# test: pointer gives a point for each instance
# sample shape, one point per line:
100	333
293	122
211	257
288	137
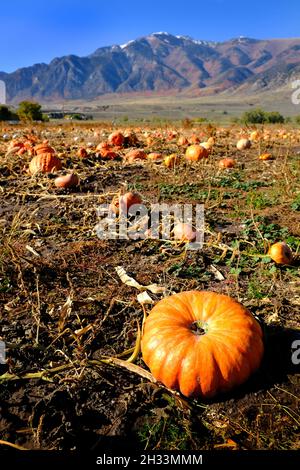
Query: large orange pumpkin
194	153
201	343
44	163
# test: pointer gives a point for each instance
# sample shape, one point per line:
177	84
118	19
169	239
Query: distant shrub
6	114
297	119
30	111
256	116
259	116
274	118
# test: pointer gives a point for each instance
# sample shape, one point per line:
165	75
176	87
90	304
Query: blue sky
35	31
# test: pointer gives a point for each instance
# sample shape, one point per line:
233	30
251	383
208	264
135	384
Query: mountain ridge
160	62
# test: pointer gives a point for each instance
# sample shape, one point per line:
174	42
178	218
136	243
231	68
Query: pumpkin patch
125	315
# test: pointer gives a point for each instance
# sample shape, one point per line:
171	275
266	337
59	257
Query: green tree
255	116
30	111
259	116
274	118
6	114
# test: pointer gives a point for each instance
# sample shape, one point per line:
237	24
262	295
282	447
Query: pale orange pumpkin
201	343
66	181
281	253
44	163
121	204
184	232
182	141
134	155
227	163
243	144
194	153
103	146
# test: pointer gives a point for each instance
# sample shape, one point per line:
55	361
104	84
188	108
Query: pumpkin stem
198	328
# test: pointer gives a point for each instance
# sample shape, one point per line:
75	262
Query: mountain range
161	63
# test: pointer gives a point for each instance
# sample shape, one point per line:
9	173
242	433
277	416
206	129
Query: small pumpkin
82	153
116	138
44	163
201	343
184	232
171	160
134	155
66	181
182	141
266	156
227	163
194	153
121	204
103	146
108	154
154	156
281	253
243	144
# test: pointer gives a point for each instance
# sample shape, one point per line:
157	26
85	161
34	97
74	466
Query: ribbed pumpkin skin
44	163
201	365
43	148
